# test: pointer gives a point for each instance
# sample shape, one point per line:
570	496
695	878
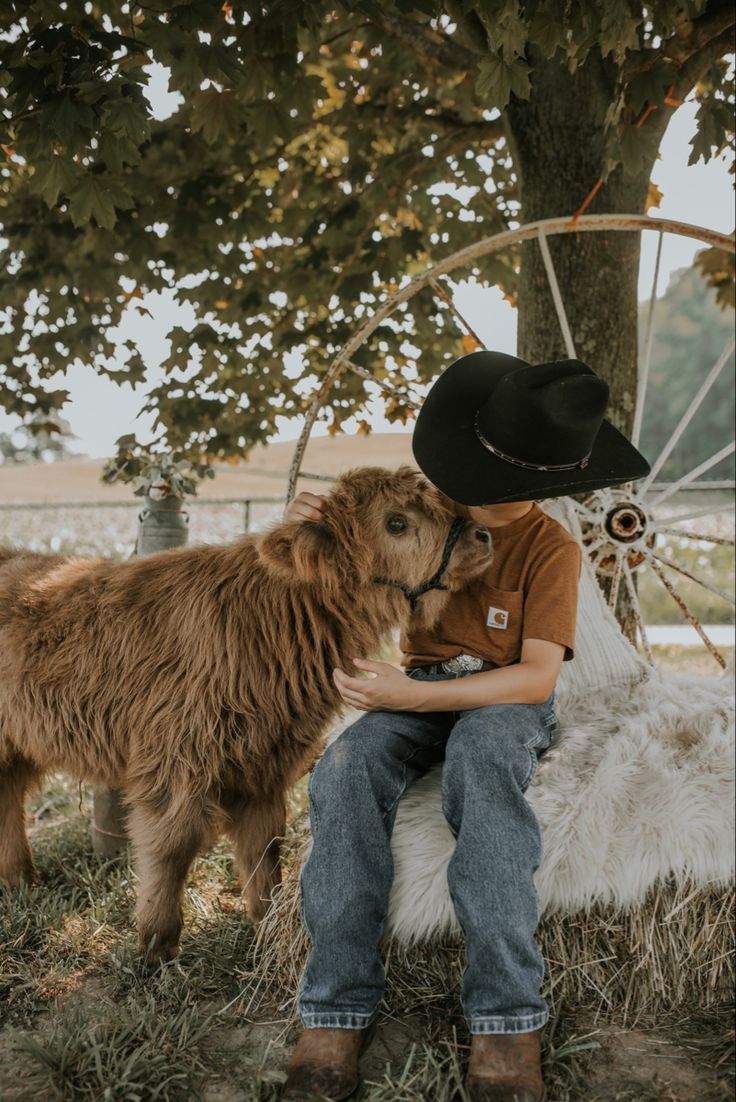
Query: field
82	1020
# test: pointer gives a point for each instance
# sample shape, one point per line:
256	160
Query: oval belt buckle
462	663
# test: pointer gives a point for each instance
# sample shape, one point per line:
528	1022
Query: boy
477	694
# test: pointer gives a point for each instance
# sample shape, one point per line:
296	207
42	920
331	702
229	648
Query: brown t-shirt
529	591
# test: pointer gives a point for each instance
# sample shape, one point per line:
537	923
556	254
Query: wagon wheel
621	525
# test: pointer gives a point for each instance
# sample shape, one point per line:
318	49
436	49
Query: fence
109	527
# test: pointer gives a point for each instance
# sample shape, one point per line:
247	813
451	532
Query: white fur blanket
637	784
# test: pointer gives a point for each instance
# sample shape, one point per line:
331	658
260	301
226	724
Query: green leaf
71	122
638	149
651	85
547	32
116	151
52	176
510	33
186	72
26	84
714	122
619	30
266	122
129	118
216	114
498	78
91	198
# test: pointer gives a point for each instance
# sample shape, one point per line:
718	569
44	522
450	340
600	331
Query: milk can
161	525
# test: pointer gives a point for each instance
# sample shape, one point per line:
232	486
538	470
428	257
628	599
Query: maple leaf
654	197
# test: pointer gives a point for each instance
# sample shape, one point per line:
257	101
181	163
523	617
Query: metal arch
539	230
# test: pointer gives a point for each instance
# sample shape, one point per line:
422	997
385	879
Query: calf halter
413	594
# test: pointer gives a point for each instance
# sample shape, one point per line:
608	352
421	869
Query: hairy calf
199	681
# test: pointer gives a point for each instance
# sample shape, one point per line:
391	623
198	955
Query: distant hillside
690	332
264	475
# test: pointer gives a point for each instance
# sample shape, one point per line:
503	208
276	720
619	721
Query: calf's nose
483	535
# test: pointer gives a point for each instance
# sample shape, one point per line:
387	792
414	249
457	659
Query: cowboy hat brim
449	452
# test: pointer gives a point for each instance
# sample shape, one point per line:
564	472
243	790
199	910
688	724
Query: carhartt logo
497	618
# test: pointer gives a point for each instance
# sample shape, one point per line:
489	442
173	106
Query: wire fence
109	527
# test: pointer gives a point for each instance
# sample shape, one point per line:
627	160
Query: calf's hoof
324	1065
156	952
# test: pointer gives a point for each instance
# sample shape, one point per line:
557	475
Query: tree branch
697	65
491	129
689	75
689	40
437	47
470	30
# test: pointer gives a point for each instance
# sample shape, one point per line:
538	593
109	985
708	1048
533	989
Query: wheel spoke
615	581
709	484
681	570
725	451
644	374
556	296
683	608
440	290
692	535
636	608
706	511
688	415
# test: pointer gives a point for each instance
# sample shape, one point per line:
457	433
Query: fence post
161	525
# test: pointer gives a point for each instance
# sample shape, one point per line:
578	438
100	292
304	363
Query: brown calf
199	681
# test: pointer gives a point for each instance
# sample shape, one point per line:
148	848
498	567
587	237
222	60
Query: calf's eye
396	524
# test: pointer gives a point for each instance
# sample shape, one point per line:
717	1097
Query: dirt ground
584	1060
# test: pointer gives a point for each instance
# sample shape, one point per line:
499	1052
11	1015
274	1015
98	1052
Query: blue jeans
490	756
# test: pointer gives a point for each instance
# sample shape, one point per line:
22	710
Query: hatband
581	463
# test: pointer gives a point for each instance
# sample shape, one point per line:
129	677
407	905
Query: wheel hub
614	525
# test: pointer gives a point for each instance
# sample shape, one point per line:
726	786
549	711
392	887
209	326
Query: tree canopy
302	177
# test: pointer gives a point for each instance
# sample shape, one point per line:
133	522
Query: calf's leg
256	829
16	862
163	851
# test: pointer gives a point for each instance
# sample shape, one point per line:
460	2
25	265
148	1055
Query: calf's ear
314	550
302	549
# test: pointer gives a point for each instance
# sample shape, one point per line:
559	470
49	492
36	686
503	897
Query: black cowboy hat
495	428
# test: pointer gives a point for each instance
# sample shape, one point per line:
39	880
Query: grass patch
120	1053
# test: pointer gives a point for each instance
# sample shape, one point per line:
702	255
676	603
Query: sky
99	411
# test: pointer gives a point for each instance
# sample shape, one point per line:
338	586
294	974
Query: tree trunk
162	525
558	146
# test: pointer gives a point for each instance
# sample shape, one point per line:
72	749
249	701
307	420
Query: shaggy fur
199	682
623	802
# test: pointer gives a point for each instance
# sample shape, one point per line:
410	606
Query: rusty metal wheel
623	526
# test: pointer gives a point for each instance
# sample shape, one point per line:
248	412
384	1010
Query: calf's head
382	531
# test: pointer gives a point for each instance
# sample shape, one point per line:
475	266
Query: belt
462	663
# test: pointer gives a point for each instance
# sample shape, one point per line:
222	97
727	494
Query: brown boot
324	1065
506	1067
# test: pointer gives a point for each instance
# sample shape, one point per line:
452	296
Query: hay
673	951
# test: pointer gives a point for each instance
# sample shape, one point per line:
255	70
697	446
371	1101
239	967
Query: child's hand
305	506
389	691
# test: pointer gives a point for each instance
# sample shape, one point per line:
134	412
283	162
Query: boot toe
479	1091
317	1084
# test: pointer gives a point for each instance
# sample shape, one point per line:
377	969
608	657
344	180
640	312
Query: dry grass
84	1021
673	951
639	999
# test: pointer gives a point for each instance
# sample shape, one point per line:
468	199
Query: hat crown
545	414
